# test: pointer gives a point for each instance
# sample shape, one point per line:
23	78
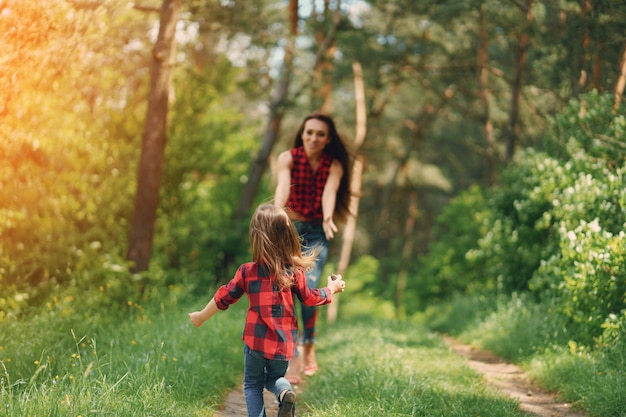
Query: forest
487	140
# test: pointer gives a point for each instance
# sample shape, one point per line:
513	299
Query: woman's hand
329	228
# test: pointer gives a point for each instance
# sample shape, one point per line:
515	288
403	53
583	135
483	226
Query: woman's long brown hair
338	150
275	243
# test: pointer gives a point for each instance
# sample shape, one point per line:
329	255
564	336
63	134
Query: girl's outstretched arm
199	317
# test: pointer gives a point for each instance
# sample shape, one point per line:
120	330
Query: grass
518	328
157	364
152	362
388	368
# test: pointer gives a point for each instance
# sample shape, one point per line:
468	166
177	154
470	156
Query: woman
313	185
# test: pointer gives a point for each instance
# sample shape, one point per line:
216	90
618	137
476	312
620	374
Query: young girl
271	280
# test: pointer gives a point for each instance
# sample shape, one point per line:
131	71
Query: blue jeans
259	373
313	236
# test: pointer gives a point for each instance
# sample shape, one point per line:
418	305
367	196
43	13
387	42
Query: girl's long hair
337	149
275	243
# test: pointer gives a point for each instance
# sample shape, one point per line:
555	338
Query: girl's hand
336	283
196	318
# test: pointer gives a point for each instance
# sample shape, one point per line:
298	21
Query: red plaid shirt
271	324
305	195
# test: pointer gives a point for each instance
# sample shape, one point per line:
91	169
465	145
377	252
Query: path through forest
506	377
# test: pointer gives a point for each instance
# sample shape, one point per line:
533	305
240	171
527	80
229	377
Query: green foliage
586	281
518	233
555	226
67	161
591	125
592	380
446	268
458	312
363	290
207	159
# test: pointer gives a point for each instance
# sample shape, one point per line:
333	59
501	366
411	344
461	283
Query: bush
446	269
555	226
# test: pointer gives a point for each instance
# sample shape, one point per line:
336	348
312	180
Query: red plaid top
271	325
305	195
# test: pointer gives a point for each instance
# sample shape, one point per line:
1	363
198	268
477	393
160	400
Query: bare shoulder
336	168
285	159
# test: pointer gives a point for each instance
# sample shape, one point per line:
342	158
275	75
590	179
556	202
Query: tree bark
518	82
621	82
424	120
322	73
275	118
483	80
154	140
585	12
407	250
355	188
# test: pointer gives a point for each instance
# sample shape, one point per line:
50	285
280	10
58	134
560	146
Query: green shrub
446	269
590	122
555	226
586	281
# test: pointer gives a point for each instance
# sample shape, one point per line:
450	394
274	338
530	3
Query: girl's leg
278	384
275	377
253	382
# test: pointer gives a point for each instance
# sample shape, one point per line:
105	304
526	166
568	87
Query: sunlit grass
161	366
524	331
385	368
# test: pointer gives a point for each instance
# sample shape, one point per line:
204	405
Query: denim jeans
313	236
259	373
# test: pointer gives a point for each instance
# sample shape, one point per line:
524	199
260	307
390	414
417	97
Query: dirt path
513	381
235	404
508	378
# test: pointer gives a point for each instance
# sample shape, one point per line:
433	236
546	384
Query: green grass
154	363
519	328
386	368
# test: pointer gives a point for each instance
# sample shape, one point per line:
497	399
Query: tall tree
521	56
154	140
618	91
275	117
483	82
355	187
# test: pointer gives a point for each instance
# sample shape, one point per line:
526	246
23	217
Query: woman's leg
253	382
310	314
295	368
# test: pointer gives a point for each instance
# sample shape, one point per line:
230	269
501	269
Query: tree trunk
407	250
424	120
483	80
621	82
585	11
518	82
322	72
153	143
277	111
357	174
